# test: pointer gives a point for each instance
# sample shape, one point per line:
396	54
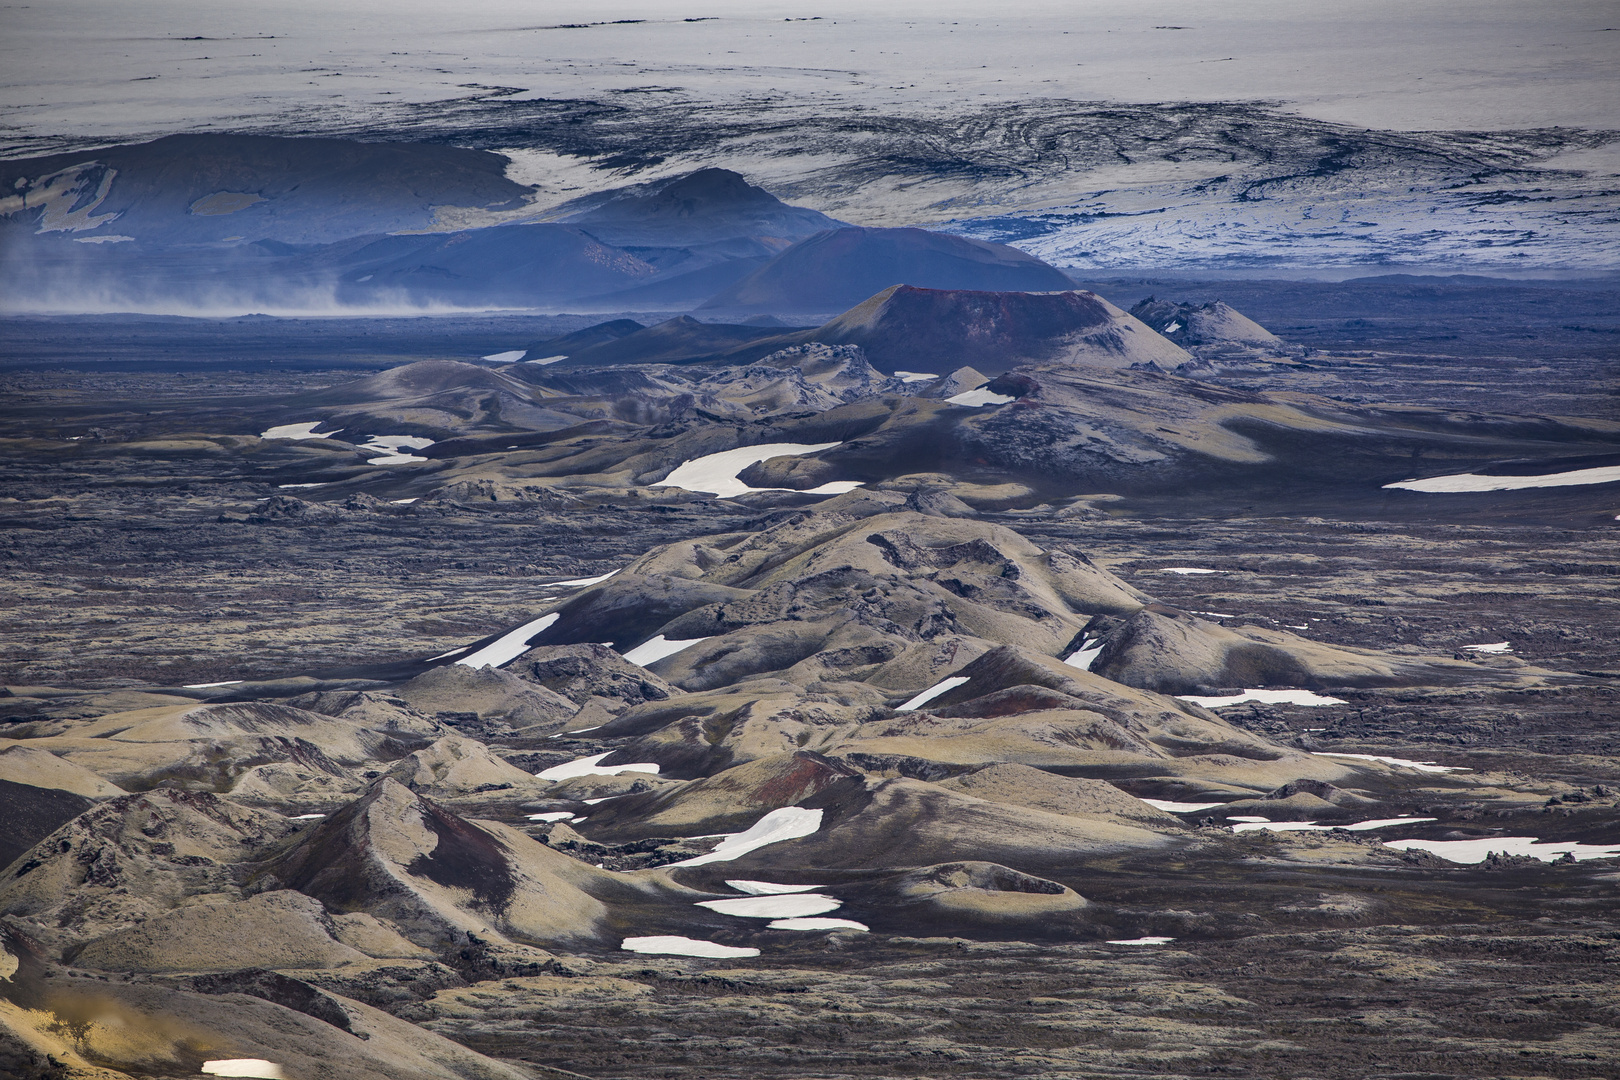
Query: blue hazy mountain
257	223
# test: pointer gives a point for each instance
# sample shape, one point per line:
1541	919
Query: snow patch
1476	851
818	924
510	357
509	646
787	906
298	431
1265	697
1495	648
716	474
684	946
255	1067
939	688
1188	570
1469	482
1084	656
209	685
587	766
657	648
1182	807
394	447
914	376
1306	826
1142	941
553	815
786	823
766	888
1420	766
977	399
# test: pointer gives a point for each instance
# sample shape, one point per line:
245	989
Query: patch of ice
1188	570
789	906
1084	656
1475	851
307	817
549	359
1494	648
401	502
657	648
939	688
394	447
587	766
208	685
716	474
509	646
580	583
914	376
510	357
977	399
767	888
1307	826
786	823
1182	807
1172	328
818	924
284	487
298	431
1142	941
1265	697
553	815
254	1067
1420	766
684	946
1471	482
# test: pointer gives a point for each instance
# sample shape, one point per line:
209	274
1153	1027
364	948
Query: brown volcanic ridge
929	723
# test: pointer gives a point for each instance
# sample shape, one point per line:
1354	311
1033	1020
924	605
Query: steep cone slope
836	270
435	875
701	207
1203	324
938	330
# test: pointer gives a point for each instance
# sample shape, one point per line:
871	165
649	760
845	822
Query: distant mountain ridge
259	223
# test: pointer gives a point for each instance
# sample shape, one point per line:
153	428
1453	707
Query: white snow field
1406	763
785	906
786	823
977	399
914	376
1084	657
939	688
1476	851
509	646
1184	570
552	815
1142	941
588	766
1495	648
253	1067
1265	697
1468	482
210	685
767	888
393	449
716	474
1181	807
298	431
579	583
818	924
654	649
1306	826
671	945
511	356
